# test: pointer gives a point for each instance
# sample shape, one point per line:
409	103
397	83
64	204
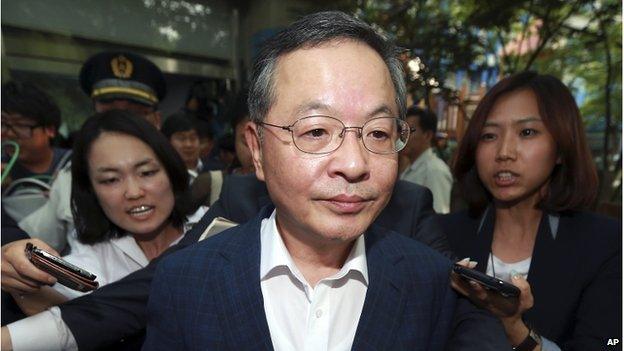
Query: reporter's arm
39	301
43	331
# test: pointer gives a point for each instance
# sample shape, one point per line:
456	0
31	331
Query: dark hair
92	224
427	120
238	110
202	92
312	31
30	102
573	183
178	122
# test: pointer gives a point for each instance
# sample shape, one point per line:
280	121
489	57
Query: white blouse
114	259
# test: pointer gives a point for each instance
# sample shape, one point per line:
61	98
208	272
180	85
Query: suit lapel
553	271
243	302
385	300
481	244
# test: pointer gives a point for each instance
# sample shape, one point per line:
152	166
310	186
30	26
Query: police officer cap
122	75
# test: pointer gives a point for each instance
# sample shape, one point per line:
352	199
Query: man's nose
350	160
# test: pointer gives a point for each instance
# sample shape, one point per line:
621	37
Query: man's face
333	198
419	140
187	145
147	112
32	138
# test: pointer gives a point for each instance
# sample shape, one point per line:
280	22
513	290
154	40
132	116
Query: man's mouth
347	204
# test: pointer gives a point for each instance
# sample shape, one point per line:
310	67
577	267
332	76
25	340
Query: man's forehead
315	78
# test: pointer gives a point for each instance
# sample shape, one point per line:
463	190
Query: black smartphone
488	282
57	261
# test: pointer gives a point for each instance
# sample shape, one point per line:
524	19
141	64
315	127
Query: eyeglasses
324	134
21	130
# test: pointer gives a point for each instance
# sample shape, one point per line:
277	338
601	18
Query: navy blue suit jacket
208	296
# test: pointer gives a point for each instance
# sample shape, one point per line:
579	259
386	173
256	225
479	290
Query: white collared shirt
120	257
302	317
431	172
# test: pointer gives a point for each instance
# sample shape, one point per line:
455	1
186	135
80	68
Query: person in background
113	80
239	119
183	134
442	147
419	163
527	173
31	119
200	104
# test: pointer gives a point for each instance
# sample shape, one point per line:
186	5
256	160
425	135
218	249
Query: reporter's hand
19	275
508	309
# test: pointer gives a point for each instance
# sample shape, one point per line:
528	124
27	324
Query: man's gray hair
312	31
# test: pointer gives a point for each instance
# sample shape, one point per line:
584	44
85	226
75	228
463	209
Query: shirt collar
274	255
129	246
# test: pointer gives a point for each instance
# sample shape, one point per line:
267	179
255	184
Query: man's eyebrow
317	105
310	106
381	109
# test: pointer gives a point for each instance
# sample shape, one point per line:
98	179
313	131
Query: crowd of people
343	233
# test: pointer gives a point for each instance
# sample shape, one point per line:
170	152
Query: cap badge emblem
122	67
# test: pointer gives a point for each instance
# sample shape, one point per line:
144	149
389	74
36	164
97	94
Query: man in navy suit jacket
328	100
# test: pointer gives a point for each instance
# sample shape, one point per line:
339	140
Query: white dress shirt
431	172
46	331
302	317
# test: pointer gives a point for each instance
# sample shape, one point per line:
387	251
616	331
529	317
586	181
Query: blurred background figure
238	115
201	105
442	148
419	163
30	118
183	134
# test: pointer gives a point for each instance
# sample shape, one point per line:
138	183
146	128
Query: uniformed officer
113	80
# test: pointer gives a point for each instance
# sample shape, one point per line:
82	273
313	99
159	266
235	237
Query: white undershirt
301	317
503	269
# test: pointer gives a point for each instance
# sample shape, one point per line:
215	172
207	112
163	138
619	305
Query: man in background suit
327	100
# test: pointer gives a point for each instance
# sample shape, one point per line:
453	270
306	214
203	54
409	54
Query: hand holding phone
505	289
66	273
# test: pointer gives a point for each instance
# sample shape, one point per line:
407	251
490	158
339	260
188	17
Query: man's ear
255	146
157	119
50	132
429	136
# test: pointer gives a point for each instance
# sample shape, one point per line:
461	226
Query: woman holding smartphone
129	202
526	172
